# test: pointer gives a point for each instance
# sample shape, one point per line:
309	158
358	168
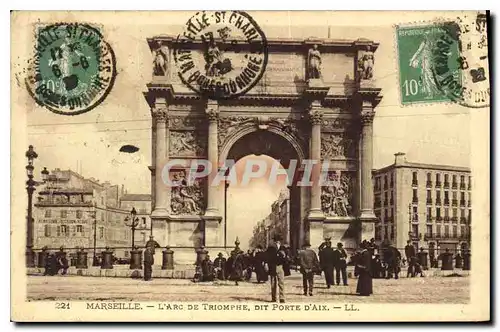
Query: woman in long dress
365	282
314	63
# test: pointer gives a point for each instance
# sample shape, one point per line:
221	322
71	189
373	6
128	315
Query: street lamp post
94	216
226	185
134	221
30	188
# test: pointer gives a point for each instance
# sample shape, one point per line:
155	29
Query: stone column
366	116
212	216
315	116
212	111
161	154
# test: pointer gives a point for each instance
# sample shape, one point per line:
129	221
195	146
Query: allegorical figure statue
314	63
160	62
366	64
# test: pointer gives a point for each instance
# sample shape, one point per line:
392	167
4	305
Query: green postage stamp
429	63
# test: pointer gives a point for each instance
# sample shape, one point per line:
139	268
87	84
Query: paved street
416	290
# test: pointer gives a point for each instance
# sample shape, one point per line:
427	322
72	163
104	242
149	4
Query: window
446	181
438	179
438	213
64	230
446	213
386	202
393	232
429	231
143	221
462	182
79	229
446	198
415	214
386	182
462	216
415	196
454	231
455	214
470	216
101	232
438	231
463	230
392	180
429	196
78	214
414	178
470	183
392	213
446	231
64	214
429	177
414	229
48	213
429	214
386	232
438	196
454	181
46	230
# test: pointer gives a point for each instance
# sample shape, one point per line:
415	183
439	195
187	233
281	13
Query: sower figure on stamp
327	261
149	260
309	264
340	264
365	282
275	259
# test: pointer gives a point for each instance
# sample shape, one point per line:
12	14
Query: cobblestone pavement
404	290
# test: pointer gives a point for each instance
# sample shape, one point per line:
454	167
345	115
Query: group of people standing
55	262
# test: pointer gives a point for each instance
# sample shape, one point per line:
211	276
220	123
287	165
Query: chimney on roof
399	158
123	189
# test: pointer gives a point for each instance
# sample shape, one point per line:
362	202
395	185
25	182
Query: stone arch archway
288	212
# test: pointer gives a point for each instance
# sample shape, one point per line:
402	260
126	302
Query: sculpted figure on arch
314	63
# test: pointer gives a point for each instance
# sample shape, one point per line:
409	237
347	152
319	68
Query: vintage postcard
250	166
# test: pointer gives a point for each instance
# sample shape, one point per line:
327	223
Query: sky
437	133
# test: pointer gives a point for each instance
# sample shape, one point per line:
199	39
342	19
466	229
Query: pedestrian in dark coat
207	272
259	262
220	267
275	259
51	265
327	261
340	264
309	264
365	282
62	261
411	257
237	261
149	260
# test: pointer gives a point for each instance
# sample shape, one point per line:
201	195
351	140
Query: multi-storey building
73	211
427	204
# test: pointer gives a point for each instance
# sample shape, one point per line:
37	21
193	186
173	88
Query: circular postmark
222	54
459	62
73	69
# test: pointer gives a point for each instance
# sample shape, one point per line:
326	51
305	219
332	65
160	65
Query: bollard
81	259
466	266
447	261
422	260
135	259
107	259
168	259
42	257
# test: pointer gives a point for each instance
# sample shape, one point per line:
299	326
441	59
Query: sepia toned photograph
268	166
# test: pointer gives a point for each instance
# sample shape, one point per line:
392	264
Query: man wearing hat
259	262
309	264
275	259
325	243
340	264
219	267
328	262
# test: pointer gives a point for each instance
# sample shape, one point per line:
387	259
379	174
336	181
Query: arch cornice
252	127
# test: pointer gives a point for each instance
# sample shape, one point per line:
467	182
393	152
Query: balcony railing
469	202
446	185
438	201
391	202
469	186
428	236
454	202
386	203
462	186
429	201
439	218
414	200
428	184
462	202
446	202
446	218
414	182
438	184
454	185
463	220
454	219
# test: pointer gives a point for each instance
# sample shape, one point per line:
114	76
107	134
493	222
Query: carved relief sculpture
186	200
314	63
365	64
229	125
336	199
160	62
187	143
336	145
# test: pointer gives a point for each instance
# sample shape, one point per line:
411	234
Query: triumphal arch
315	100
